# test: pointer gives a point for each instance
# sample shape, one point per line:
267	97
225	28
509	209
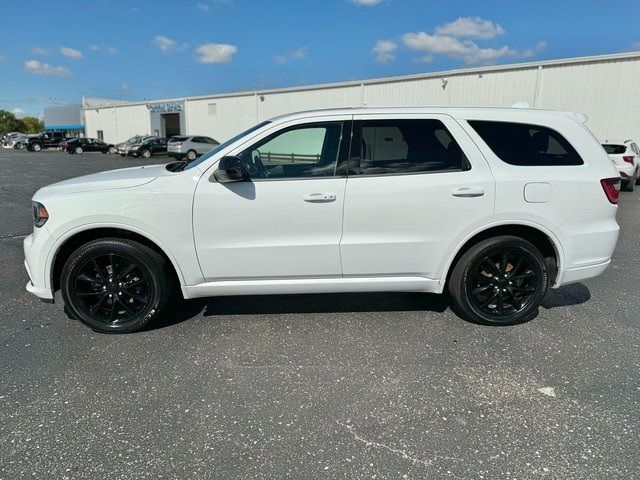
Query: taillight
628	160
611	187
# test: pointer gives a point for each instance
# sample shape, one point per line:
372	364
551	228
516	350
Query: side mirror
230	169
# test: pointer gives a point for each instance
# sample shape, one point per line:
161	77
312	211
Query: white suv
626	157
493	205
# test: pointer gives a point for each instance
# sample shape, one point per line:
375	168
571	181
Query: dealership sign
164	107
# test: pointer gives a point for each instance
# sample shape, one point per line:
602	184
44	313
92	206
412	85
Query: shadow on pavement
294	304
573	294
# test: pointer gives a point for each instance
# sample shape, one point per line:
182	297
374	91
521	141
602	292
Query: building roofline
398	78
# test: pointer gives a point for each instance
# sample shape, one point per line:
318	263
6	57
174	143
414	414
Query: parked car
80	145
123	147
492	205
11	139
190	147
37	142
625	155
148	147
20	141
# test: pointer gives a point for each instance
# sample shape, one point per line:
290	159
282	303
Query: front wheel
112	150
115	285
145	154
499	281
36	147
78	150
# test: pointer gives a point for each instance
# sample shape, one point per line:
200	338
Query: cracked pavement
316	386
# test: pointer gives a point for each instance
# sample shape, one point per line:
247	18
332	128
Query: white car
625	155
493	205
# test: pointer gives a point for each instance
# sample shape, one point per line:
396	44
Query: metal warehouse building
606	88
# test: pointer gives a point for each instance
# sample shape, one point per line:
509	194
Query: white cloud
471	27
2	58
384	50
38	51
34	66
538	47
216	52
205	7
112	50
126	88
94	48
19	113
71	52
465	50
164	43
366	3
298	53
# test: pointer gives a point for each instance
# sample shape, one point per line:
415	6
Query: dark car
79	145
44	140
150	146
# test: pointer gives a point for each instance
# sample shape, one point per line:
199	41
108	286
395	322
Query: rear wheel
115	285
499	281
191	155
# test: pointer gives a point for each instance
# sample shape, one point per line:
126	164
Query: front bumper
36	247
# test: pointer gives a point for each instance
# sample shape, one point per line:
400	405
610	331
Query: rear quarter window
526	144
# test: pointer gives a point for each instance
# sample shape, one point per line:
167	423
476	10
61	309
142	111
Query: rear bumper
573	275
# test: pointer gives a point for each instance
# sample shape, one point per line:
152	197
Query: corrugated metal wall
607	89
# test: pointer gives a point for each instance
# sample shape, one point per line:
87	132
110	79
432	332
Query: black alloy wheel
503	283
115	285
499	281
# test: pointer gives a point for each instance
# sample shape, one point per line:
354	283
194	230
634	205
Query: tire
112	150
191	155
519	282
78	150
145	154
36	147
115	285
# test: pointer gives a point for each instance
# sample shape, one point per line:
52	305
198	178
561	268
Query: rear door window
525	144
399	146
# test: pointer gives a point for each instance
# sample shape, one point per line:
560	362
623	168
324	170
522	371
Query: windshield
224	145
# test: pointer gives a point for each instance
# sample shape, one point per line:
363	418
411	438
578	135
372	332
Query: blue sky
141	49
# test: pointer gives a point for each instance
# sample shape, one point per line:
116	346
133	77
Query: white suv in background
626	157
492	205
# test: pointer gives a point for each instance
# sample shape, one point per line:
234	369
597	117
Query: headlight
40	214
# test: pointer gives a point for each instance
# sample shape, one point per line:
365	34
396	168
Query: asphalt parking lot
324	386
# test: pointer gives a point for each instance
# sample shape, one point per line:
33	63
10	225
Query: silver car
190	147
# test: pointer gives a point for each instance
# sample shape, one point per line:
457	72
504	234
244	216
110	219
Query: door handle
319	197
467	192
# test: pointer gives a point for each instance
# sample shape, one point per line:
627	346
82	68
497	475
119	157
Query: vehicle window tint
298	152
614	149
405	146
526	145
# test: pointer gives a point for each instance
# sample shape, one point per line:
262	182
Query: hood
113	179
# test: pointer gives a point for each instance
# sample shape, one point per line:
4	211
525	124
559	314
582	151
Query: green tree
9	123
31	125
